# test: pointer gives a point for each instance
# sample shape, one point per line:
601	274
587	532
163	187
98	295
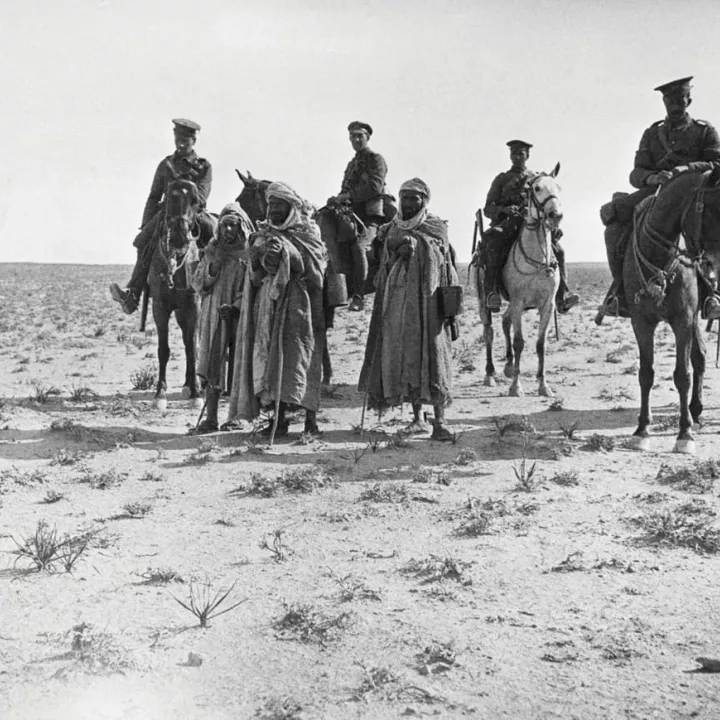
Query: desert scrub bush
307	623
82	394
160	576
40	392
566	478
384	493
524	474
103	479
505	426
280	708
151	476
380	679
259	485
305	479
434	476
436	569
135	510
690	524
464	357
699	477
437	657
95	652
572	563
46	548
352	588
467	456
204	602
143	378
52	496
568	430
20	477
599	443
66	457
277	547
477	523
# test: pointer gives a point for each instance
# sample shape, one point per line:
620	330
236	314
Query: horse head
181	209
252	198
544	204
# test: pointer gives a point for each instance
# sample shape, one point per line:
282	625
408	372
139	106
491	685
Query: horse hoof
516	391
186	392
489	381
686	447
640	443
509	370
196	403
161	404
545	391
696	426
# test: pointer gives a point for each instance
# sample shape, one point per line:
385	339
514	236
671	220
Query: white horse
531	279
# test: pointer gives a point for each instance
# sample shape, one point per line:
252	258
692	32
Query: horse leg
683	350
506	323
645	337
518	343
186	316
697	358
545	314
161	316
489	337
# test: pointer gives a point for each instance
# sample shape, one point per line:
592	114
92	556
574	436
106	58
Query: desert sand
535	568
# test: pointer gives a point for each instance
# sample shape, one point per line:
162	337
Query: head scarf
300	209
234	209
419	186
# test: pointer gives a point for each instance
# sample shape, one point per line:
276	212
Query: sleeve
202	279
372	180
157	190
711	145
239	285
204	183
345	185
644	165
492	202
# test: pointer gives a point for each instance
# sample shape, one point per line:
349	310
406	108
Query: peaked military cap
681	84
518	143
357	126
185	127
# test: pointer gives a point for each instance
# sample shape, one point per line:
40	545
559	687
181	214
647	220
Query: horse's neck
533	239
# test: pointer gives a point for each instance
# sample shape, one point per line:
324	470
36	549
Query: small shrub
385	493
160	576
698	478
354	588
280	708
82	394
467	456
431	475
308	624
280	551
572	563
435	569
52	496
41	393
136	510
144	378
598	443
569	431
259	486
305	479
567	478
204	604
102	480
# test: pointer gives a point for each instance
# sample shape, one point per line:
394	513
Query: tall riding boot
564	299
359	275
616	235
493	301
707	293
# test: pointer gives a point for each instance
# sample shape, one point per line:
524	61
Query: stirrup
711	309
493	301
357	304
567	303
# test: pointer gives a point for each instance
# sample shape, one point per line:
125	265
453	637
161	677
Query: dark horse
253	201
661	283
173	261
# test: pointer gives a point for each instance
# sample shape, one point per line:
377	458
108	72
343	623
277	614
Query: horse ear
555	171
243	179
714	177
250	177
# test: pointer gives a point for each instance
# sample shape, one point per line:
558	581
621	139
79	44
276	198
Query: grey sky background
89	88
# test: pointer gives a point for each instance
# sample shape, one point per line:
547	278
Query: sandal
442	433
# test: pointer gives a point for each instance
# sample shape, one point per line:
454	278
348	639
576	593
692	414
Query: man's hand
658	178
406	249
679	170
226	311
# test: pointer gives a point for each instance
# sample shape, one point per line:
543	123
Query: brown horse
172	264
661	284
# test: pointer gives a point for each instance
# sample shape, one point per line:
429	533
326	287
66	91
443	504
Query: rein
169	260
537	225
655	286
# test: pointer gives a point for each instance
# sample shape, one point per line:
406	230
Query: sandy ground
377	577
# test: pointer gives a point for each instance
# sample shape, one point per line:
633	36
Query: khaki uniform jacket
191	167
508	189
364	181
663	148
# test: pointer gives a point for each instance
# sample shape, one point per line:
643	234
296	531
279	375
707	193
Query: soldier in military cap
679	143
363	188
184	163
504	207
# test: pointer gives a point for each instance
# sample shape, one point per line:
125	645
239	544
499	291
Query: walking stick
281	362
557	329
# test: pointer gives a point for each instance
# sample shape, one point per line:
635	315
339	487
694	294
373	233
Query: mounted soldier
504	207
677	144
362	194
183	164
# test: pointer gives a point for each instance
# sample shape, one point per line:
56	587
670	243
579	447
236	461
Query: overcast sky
89	88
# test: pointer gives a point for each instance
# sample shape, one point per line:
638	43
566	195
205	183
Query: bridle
168	253
539	224
655	286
